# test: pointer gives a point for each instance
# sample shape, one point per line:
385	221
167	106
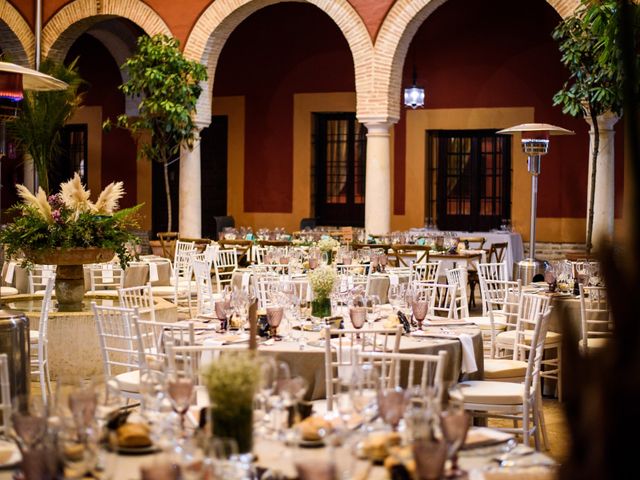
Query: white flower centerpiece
327	245
322	280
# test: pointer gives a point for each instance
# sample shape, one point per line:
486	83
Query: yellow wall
419	121
304	105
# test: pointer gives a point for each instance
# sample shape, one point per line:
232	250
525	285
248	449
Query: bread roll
133	435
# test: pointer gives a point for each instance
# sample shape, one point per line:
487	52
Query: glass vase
321	307
237	424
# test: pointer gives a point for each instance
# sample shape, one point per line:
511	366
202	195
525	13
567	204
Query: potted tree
591	52
169	87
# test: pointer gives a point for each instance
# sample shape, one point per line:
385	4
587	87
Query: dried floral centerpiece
232	381
322	280
69	230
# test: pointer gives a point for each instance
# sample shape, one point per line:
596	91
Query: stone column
190	201
604	200
377	207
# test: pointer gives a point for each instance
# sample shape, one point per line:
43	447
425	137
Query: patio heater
535	144
14	325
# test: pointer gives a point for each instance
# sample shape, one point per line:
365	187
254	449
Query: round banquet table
307	360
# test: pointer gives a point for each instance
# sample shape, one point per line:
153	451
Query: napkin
520	473
468	355
246	277
11	268
153	272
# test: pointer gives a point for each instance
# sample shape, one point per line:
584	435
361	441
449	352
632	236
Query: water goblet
358	315
363	392
455	424
383	259
372	303
180	390
374	261
419	307
550	278
29	420
274	317
391	405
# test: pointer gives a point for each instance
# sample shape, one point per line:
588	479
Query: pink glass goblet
455	424
274	317
419	309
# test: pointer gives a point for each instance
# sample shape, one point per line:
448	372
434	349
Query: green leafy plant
38	127
70	220
169	87
588	42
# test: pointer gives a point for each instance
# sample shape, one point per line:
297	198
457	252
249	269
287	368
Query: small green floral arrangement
70	219
327	244
322	281
232	380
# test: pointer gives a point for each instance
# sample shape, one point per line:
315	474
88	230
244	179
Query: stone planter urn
69	282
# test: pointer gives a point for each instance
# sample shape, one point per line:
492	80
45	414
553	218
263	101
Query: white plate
15	456
485	437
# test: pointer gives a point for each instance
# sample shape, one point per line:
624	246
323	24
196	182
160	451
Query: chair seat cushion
597	343
484	323
6	291
492	393
129	381
509	337
495	368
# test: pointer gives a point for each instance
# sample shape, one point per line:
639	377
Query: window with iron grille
468	179
339	157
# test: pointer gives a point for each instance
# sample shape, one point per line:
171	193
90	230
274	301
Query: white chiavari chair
120	343
266	283
595	317
517	401
105	278
140	298
225	263
258	253
204	287
490	271
458	277
38	276
354	276
342	348
422	371
503	300
428	272
442	301
39	343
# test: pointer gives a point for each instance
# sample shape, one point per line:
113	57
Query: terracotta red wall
488	54
100	71
279	51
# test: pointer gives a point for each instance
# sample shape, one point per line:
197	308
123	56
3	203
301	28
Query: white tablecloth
515	249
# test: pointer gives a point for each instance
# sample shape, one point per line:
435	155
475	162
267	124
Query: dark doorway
73	156
213	168
339	146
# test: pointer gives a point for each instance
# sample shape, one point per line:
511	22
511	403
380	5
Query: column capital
377	122
606	121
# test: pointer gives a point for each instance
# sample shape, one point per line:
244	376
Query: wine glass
419	306
550	277
391	405
180	390
363	392
83	403
274	317
267	385
455	423
396	296
240	303
373	309
29	420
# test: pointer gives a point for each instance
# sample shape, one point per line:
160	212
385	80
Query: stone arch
393	40
216	23
17	38
73	19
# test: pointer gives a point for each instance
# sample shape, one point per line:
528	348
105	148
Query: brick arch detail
17	38
220	19
392	42
71	21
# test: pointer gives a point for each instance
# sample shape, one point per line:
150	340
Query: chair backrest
407	255
490	271
473	243
530	311
155	335
5	396
503	297
422	371
168	243
140	298
119	339
595	315
189	359
265	283
354	277
258	254
106	276
225	263
184	249
342	348
539	312
458	277
242	247
204	287
211	251
38	276
427	272
442	301
182	268
497	252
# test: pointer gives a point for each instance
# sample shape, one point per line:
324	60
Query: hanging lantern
414	95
